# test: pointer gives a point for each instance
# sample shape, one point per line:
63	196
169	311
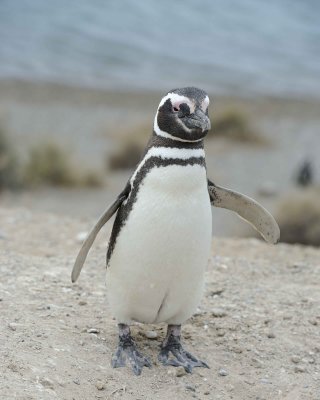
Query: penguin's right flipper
86	246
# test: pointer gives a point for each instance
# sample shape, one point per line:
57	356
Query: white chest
162	250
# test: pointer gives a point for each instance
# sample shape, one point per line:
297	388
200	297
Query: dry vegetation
9	170
127	157
49	164
298	215
234	125
130	149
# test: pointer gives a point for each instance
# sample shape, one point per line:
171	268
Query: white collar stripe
166	153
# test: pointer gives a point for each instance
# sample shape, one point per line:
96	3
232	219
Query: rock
236	349
93	330
100	385
180	371
76	381
299	265
12	326
313	321
46	382
299	369
218	313
222	372
271	335
191	388
295	359
151	335
216	292
257	363
82	303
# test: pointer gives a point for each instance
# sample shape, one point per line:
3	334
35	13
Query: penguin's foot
127	350
181	357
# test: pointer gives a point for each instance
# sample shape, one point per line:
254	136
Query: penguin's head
183	115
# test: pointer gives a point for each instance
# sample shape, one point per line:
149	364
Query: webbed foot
181	357
127	350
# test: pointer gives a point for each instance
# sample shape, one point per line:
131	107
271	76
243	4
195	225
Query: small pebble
236	349
151	334
81	236
299	368
100	385
46	383
218	313
313	321
216	292
12	326
271	335
191	388
82	303
223	372
295	359
76	381
257	363
180	371
299	264
93	330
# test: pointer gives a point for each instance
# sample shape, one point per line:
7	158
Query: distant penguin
304	175
161	237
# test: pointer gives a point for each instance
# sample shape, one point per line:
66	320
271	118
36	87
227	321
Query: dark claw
127	350
182	358
136	359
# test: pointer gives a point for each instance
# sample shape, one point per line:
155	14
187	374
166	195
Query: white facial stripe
164	134
178	99
165	153
205	103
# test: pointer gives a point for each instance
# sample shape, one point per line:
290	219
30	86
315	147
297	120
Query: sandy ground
257	326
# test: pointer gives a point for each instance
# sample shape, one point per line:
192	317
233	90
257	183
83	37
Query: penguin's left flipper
86	246
246	208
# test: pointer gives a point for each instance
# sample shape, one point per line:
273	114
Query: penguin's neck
160	141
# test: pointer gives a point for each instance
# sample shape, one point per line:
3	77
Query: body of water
232	47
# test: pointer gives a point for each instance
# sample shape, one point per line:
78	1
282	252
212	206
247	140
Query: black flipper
95	230
248	209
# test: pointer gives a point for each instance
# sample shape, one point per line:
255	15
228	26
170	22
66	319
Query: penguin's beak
198	120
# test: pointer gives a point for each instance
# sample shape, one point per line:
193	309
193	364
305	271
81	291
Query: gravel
53	348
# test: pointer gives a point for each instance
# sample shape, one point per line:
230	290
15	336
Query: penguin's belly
157	266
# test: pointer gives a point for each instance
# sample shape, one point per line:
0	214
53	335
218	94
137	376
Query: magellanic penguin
161	237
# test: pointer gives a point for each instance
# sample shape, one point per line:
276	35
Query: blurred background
80	83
